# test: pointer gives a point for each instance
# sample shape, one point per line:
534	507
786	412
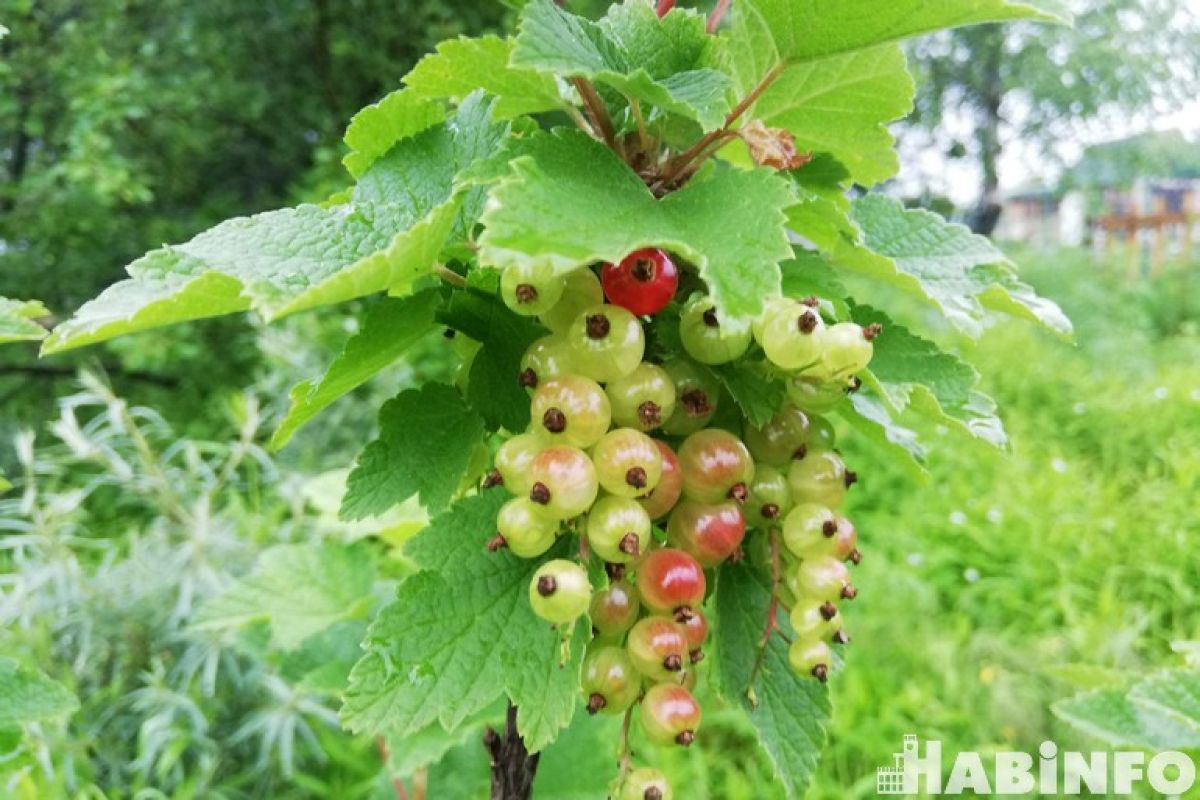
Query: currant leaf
792	711
873	420
403	211
1159	713
375	129
300	589
810	274
841	106
28	695
460	634
570	201
426	439
770	34
391	327
670	63
756	392
493	388
461	66
941	263
17	320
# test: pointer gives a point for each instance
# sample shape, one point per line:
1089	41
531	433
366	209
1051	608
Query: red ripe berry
670	579
666	494
670	714
710	533
643	283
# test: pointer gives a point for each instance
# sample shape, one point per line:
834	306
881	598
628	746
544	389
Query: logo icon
899	778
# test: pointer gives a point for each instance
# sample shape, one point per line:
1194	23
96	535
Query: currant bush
654	311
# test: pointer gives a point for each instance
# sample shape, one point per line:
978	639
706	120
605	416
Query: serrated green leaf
460	634
571	201
903	357
758	394
842	106
29	695
426	438
461	66
810	273
792	711
17	320
409	753
871	419
403	210
770	33
941	263
839	76
375	129
669	63
1174	694
1109	715
300	589
391	327
492	385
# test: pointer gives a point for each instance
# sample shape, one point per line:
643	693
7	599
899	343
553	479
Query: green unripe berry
705	338
530	290
618	529
527	530
609	681
581	289
559	591
644	399
608	342
628	463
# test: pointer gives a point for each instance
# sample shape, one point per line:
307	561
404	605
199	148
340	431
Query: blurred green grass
982	590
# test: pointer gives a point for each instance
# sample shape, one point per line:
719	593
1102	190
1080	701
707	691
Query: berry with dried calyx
559	591
670	579
607	341
581	289
563	481
644	282
696	395
618	529
609	680
570	410
527	530
644	399
530	290
716	466
628	463
658	647
670	714
706	339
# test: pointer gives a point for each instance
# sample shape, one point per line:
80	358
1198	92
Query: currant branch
772	614
718	12
684	159
664	6
597	111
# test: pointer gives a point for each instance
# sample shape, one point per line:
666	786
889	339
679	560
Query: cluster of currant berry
589	464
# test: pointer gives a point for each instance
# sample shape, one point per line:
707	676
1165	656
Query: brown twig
684	159
772	615
513	767
714	19
596	110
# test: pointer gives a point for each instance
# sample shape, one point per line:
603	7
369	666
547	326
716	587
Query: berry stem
596	111
450	276
643	139
626	755
684	159
718	12
772	616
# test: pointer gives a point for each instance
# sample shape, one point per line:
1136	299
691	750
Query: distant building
1140	194
899	778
